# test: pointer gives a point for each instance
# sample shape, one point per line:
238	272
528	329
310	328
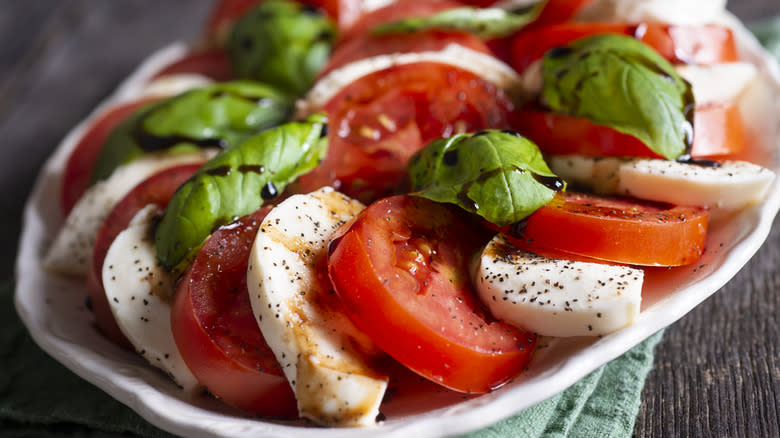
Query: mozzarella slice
139	292
70	252
718	83
486	66
173	84
679	12
324	356
556	297
731	186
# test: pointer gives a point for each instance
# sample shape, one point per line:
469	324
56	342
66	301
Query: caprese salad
324	191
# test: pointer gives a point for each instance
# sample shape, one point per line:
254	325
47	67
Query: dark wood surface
716	371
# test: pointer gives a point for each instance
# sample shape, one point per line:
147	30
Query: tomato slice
81	162
157	189
214	64
216	331
708	44
380	120
621	230
369	45
718	131
401	271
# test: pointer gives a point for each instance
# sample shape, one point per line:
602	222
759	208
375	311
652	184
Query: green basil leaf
498	175
219	115
619	82
281	43
236	182
486	23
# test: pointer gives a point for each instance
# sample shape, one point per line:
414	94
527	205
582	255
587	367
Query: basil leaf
282	44
619	82
236	182
498	175
219	115
486	23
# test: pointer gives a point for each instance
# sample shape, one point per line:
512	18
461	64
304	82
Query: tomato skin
718	132
621	230
401	271
214	64
689	44
382	119
215	329
78	169
157	189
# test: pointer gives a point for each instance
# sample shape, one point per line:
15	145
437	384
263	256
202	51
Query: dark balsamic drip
325	35
689	109
450	158
559	52
522	10
463	197
551	182
481	133
256	168
687	159
88	302
247	44
512	132
325	130
269	191
219	171
518	229
311	10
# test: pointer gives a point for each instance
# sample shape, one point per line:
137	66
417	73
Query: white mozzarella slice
718	83
70	252
556	297
173	84
486	66
324	356
732	185
679	12
139	292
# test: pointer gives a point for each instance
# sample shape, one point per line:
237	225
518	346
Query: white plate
52	309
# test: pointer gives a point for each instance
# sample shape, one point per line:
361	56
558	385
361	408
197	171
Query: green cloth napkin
41	398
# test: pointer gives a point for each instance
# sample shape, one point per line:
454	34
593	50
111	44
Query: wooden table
716	371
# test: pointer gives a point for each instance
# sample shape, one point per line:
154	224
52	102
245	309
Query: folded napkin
41	398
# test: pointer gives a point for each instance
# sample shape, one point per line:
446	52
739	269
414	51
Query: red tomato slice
157	189
78	169
216	331
401	271
396	11
718	131
368	45
708	44
621	230
214	64
558	11
380	120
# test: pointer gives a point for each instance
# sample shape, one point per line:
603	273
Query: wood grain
716	371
